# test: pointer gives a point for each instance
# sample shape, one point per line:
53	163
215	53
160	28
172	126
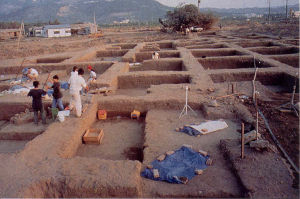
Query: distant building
56	31
125	21
35	32
297	14
9	33
84	29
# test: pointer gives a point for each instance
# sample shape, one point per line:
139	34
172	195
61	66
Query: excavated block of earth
262	175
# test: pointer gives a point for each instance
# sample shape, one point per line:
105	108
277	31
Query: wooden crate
93	136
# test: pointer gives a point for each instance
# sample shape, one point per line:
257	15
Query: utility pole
21	33
94	18
286	10
199	4
269	15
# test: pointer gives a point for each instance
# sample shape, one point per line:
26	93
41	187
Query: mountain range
72	11
231	12
106	11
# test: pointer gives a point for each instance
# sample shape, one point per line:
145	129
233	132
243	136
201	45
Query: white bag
62	114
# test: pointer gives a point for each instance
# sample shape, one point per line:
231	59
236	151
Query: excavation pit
52	59
125	46
12	146
276	82
160	65
110	55
140	57
27	131
166	46
288	59
215	53
118	59
214	63
194	42
123	139
145	80
207	46
134	92
275	50
256	44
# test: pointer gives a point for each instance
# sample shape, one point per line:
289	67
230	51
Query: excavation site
212	114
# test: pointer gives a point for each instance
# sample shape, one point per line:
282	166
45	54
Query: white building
297	14
36	31
56	31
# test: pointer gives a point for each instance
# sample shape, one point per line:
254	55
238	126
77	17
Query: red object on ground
102	114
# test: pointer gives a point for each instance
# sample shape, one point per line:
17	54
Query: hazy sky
230	3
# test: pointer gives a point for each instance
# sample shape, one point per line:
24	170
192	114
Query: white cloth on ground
62	114
210	126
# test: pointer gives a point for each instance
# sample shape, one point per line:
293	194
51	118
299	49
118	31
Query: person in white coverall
76	84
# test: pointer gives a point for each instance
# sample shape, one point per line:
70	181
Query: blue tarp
13	88
64	85
182	163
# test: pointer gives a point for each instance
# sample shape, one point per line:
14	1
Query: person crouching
93	75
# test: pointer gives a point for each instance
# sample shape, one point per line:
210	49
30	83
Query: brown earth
57	164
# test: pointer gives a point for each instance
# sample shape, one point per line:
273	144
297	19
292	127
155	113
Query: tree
55	22
187	16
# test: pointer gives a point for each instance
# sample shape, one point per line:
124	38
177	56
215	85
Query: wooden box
93	136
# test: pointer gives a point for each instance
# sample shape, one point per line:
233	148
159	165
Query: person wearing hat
93	75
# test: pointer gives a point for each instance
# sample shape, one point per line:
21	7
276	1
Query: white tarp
210	126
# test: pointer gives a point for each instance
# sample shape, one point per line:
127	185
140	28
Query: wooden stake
242	142
256	108
232	88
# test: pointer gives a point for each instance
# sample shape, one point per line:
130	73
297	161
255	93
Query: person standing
37	104
57	95
74	71
76	84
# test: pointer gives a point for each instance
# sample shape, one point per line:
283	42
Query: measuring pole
243	142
